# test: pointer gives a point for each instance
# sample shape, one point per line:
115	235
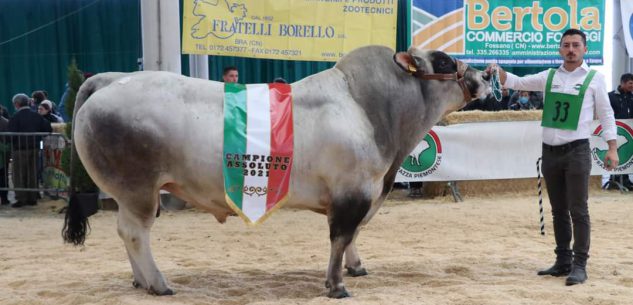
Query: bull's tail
76	224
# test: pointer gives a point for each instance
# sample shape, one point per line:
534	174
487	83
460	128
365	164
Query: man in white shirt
572	92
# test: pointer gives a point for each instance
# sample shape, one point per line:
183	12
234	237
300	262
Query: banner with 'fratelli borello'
508	32
317	30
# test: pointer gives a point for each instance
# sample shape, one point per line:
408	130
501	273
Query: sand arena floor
485	250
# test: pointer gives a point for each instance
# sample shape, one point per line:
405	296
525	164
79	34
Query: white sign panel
498	150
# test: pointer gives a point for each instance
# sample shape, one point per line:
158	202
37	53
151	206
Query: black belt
565	147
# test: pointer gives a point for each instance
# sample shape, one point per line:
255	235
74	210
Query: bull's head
437	65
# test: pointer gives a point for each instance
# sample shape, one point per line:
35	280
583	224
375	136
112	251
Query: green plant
75	79
81	182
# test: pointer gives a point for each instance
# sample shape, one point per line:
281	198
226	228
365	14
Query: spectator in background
536	98
44	109
4	112
505	99
280	80
25	149
37	97
621	100
61	110
62	103
230	74
521	100
4	161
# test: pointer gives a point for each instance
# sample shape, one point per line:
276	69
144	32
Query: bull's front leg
344	217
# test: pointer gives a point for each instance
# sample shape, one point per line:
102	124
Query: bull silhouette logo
220	28
425	157
625	147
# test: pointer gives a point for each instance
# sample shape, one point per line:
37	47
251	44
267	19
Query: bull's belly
211	197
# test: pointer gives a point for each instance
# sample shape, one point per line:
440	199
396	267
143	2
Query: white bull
354	125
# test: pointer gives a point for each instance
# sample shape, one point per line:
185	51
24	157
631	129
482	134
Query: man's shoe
556	270
577	276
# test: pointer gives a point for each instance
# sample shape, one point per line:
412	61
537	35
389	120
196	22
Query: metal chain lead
495	82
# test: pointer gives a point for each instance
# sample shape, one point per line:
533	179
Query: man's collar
617	90
583	66
25	107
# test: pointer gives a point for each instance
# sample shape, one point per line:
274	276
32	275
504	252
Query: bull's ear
408	63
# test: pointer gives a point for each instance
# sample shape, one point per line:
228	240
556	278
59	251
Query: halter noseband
457	76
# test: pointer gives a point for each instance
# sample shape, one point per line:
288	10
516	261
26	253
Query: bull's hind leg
344	217
136	217
352	259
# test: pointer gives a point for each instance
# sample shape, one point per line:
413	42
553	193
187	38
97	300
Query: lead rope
540	195
495	83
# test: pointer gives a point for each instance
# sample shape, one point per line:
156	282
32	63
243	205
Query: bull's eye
442	63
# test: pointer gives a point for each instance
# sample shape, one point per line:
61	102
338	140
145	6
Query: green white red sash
258	148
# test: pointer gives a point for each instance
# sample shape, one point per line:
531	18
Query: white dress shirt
569	82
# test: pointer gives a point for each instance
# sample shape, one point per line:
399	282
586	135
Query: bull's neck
419	115
400	109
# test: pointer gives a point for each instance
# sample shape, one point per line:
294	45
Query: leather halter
457	76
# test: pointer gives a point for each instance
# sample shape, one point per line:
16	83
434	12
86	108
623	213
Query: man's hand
611	160
502	73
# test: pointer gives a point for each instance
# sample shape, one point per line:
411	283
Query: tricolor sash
258	148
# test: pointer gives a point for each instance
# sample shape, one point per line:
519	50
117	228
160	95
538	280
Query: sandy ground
485	250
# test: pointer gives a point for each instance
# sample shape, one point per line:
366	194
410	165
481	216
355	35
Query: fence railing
33	162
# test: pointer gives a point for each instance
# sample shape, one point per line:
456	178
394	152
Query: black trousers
566	169
25	174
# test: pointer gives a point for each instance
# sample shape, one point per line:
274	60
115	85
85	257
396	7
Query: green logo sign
625	147
424	159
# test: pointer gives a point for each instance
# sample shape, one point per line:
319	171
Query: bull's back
151	127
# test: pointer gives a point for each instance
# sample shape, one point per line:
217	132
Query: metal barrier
31	163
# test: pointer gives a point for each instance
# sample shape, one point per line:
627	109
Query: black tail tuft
76	224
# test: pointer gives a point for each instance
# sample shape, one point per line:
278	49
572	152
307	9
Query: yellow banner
318	30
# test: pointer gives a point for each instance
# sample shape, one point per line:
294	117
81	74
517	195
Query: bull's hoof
153	291
338	293
136	284
354	272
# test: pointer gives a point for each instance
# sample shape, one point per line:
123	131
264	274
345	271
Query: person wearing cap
45	110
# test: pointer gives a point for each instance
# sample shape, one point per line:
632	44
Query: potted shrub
83	191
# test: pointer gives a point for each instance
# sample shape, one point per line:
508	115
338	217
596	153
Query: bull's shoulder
323	89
